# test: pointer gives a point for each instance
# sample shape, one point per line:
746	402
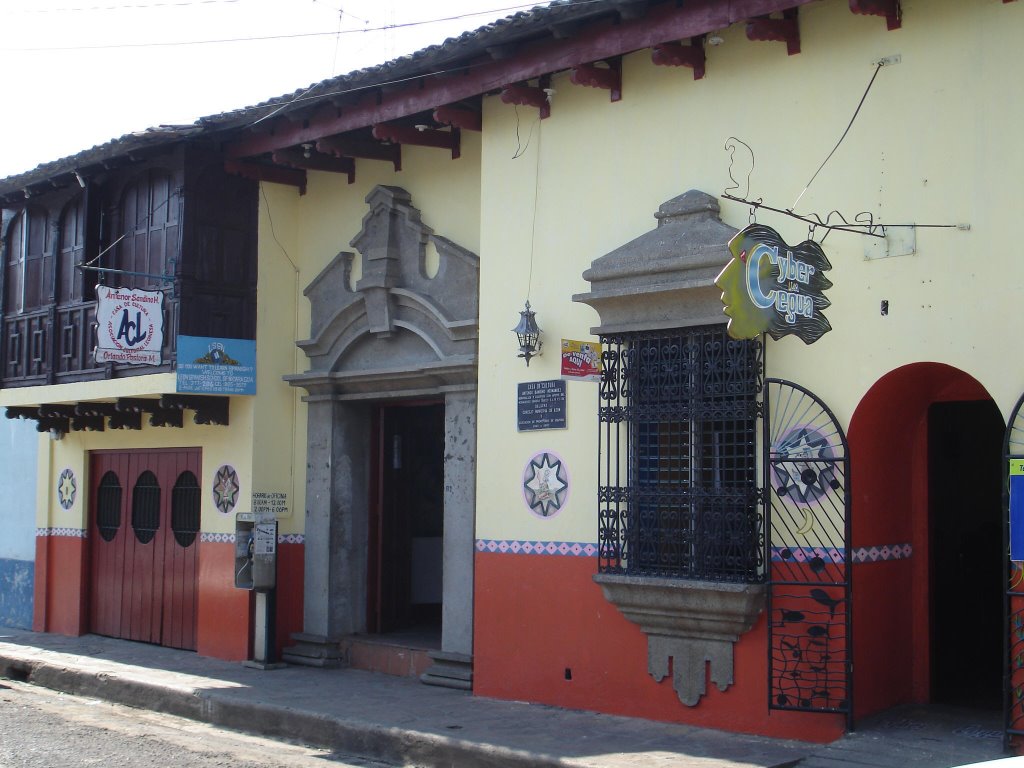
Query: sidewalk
394	719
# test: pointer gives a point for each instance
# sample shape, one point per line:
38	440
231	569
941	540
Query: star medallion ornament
67	489
225	489
545	484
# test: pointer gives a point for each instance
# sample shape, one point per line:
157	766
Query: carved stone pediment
398	329
666	277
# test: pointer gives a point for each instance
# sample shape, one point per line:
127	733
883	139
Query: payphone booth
256	570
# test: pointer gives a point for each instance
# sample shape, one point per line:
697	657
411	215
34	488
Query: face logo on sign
771	287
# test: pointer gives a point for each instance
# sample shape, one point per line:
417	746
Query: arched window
72	252
27	269
108	506
185	503
149	221
146	507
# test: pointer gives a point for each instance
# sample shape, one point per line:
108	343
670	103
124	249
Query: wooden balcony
55	345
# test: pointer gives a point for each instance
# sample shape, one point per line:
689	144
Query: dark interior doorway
407	519
965	502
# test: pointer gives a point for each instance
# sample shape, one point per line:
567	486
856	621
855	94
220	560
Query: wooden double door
143	542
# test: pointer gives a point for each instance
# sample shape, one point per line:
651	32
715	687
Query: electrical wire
856	112
128	7
263	38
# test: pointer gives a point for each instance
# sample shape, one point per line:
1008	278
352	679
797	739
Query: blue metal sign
211	366
1017	510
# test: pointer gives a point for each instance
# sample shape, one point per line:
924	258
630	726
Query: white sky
63	92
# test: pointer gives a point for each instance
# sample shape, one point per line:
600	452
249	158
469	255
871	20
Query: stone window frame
662	280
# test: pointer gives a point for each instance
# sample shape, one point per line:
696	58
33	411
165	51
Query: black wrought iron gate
805	465
1013	606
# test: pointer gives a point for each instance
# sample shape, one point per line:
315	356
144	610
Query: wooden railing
56	344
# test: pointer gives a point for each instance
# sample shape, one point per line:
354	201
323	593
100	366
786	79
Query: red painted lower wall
888	441
291	564
540	619
60	594
224	612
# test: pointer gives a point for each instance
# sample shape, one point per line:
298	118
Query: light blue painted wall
18	443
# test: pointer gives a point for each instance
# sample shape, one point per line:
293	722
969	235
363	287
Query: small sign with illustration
129	326
581	360
216	366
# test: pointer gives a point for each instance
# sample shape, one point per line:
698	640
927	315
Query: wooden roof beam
888	8
456	117
274	174
593	76
785	30
595	42
348	146
307	158
676	55
528	96
420	136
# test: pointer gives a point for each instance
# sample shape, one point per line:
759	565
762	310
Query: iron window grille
678	494
185	502
108	506
146	507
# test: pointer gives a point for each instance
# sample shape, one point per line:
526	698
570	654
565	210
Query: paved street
40	728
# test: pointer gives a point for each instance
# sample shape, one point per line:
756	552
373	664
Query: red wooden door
144	526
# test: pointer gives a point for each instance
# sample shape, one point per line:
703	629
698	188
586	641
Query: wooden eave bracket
295	157
528	96
785	30
347	146
209	409
888	8
159	416
419	136
676	55
593	76
116	419
275	174
456	117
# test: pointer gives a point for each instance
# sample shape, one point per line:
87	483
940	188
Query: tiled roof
519	27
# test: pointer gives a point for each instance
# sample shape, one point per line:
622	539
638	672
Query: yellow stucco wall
299	236
220	446
934	143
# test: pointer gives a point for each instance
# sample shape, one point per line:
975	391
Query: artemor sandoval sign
129	326
774	288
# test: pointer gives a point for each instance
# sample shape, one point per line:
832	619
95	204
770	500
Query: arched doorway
925	446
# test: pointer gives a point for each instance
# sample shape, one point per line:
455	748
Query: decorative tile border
806	554
229	538
73	533
884	552
569	548
217	538
874	554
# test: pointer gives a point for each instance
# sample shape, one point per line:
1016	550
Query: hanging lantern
529	334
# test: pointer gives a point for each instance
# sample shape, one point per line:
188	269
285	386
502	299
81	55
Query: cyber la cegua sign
774	288
130	326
